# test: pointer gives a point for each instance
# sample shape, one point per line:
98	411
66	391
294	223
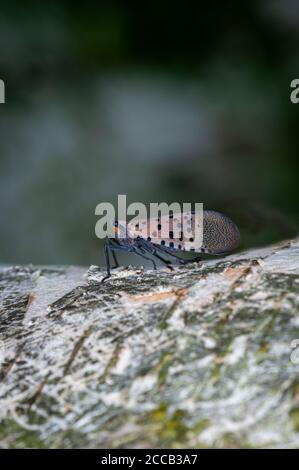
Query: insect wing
178	231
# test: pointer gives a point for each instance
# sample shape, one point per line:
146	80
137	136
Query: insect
144	238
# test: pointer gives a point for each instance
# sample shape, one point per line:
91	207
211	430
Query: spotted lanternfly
147	238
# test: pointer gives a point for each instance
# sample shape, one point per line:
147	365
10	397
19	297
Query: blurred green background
160	101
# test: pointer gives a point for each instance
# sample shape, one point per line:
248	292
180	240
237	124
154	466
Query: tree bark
205	356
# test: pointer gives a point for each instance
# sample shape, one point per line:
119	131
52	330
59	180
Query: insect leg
140	252
164	250
164	261
132	249
117	247
181	260
107	260
112	249
193	260
152	250
114	246
115	259
186	261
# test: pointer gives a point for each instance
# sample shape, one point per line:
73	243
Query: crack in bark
38	391
76	349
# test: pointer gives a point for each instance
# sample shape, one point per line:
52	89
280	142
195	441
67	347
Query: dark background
160	101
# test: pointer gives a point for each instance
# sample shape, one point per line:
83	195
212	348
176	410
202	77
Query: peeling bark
198	357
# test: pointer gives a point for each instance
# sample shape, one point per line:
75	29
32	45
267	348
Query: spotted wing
177	231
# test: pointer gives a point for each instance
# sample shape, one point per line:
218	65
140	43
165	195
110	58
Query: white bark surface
204	356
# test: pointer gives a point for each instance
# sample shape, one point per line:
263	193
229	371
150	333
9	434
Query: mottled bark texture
200	357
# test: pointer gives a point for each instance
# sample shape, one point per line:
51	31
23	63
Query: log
205	356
